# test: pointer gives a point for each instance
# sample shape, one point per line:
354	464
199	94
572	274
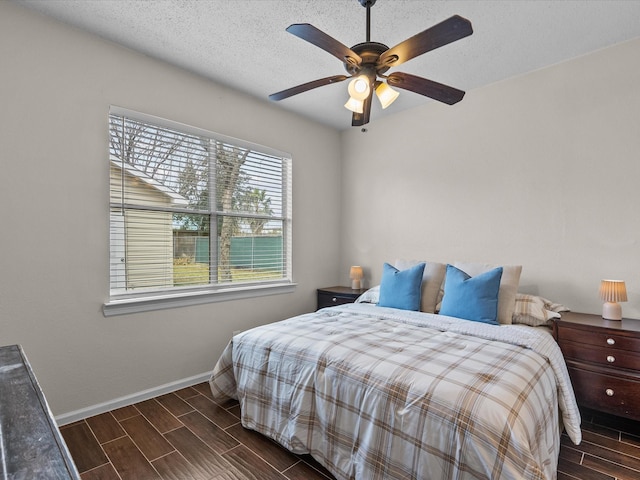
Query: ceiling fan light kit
367	62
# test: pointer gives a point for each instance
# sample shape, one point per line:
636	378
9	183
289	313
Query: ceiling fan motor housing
369	52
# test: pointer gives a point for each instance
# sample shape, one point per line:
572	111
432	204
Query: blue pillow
401	289
471	298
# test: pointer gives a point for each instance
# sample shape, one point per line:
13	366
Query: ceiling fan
367	63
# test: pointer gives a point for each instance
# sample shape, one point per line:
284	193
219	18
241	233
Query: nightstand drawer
332	296
331	300
612	357
619	395
599	338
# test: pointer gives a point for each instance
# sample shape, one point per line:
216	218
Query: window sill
125	306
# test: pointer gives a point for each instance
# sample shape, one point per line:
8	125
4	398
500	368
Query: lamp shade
355	274
612	292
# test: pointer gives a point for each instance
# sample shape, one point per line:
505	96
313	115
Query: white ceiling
243	43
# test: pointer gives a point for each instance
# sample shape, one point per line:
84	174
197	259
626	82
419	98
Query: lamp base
612	311
355	284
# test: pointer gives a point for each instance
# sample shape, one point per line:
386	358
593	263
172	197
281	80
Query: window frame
173	297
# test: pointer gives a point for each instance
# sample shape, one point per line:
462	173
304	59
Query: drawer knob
611	358
334	299
609	392
611	341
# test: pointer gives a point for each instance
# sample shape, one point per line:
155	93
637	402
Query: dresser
32	447
603	358
331	296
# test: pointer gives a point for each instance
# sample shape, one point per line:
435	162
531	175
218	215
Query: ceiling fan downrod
368	4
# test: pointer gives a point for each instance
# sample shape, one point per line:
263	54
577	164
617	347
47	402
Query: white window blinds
190	209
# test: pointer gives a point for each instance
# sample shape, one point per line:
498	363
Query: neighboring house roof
176	198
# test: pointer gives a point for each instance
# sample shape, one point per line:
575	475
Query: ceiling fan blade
359	119
450	30
428	88
289	92
317	37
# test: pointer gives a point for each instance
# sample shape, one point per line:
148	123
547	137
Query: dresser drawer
599	338
612	357
616	394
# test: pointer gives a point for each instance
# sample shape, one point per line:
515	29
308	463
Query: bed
377	392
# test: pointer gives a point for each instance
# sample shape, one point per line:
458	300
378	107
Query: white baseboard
70	417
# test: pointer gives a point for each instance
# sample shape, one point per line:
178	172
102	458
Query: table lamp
355	274
612	292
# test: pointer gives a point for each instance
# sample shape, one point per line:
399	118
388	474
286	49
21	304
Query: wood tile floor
610	450
185	435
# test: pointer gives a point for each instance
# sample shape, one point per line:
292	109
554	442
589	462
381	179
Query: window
194	216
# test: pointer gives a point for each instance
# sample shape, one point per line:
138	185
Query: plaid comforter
378	393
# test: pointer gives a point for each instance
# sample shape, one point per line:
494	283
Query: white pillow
508	286
431	281
370	296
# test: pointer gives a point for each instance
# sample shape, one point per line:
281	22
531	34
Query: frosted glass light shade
359	87
356	106
386	94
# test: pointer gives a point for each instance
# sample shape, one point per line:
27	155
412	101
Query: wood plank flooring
185	435
610	450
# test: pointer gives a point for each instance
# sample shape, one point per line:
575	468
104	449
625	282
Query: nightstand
603	358
332	296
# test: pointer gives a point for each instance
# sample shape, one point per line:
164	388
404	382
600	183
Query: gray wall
540	170
57	84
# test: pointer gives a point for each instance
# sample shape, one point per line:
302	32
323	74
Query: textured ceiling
243	43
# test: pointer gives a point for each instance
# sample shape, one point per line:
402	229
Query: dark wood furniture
603	358
331	296
32	446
